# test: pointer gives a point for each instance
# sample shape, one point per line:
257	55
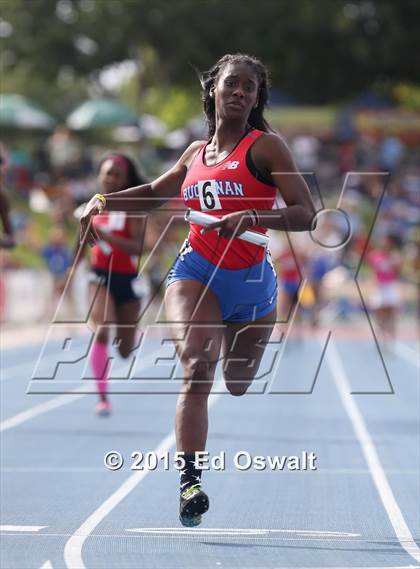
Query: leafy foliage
316	51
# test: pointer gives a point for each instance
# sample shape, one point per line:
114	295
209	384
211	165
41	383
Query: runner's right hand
87	229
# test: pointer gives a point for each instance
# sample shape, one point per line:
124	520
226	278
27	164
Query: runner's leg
194	313
127	315
189	306
243	349
102	315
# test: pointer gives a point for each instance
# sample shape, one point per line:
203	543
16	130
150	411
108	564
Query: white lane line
42	408
74	395
242	531
410	355
21	528
47	565
389	502
352	567
73	548
326	471
187	533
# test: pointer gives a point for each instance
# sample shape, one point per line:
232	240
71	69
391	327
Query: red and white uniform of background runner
224	188
116	223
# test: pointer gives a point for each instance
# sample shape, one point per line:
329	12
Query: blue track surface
53	477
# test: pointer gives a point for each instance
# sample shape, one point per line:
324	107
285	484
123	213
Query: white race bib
207	192
116	220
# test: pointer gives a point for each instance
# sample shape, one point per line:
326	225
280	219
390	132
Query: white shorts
387	294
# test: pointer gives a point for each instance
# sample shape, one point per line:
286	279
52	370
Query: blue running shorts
243	294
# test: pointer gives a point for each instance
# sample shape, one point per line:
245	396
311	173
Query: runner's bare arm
272	155
155	194
139	198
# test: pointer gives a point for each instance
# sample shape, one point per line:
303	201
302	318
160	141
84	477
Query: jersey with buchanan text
223	188
108	256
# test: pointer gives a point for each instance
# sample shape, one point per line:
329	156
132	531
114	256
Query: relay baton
200	218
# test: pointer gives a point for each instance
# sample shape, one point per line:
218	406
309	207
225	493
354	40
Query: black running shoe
193	503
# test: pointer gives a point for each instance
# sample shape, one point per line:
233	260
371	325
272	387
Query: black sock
190	475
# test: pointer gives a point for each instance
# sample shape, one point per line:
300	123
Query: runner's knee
199	371
238	376
237	388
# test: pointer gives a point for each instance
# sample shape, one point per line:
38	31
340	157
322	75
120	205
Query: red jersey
107	256
223	188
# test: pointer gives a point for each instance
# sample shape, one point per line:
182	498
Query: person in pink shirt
385	262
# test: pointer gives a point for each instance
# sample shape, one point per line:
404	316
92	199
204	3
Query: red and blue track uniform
239	273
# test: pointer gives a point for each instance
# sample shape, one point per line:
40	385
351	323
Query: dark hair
134	177
209	78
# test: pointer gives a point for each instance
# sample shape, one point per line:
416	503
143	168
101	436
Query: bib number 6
207	192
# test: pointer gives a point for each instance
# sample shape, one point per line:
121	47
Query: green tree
317	51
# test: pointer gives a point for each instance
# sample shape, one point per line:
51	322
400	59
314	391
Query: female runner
222	290
113	289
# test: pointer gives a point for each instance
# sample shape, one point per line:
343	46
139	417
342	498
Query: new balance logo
231	165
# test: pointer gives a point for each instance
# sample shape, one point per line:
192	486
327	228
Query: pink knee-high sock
100	366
